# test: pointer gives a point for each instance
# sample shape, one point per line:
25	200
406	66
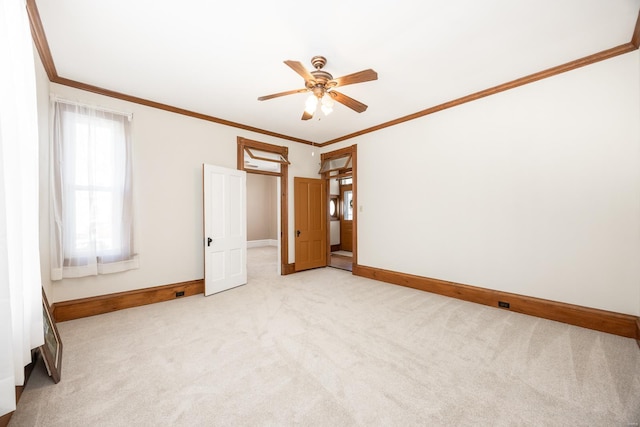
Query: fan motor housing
321	77
318	62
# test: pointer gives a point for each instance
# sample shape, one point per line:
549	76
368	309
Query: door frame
285	267
342	152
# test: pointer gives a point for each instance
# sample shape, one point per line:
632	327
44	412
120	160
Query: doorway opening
338	168
270	160
263	229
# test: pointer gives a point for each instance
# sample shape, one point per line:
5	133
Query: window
347	205
265	161
333	208
336	167
91	194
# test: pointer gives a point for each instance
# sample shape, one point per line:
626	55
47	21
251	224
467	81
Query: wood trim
288	268
171	109
587	60
85	307
284	219
42	46
4	419
354	188
341	152
600	320
284	188
638	331
635	39
40	40
334	248
351	150
263	146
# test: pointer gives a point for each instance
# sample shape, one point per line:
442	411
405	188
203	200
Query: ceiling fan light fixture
327	104
311	104
321	84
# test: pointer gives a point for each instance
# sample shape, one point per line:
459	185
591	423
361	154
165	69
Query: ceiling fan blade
306	116
300	69
359	77
356	106
275	95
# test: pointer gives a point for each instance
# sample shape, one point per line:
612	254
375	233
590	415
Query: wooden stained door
310	223
346	218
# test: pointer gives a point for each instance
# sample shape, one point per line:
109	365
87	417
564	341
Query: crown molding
40	41
587	60
172	109
42	45
635	38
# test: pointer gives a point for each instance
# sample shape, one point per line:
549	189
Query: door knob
297	233
209	240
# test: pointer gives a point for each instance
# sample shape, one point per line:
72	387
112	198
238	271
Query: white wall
169	150
534	191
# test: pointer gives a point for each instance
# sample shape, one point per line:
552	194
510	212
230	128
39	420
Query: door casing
285	267
353	151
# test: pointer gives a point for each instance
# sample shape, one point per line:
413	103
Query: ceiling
216	58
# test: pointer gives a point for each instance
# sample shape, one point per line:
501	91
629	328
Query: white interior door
225	228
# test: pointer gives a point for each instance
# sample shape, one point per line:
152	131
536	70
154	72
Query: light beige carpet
325	348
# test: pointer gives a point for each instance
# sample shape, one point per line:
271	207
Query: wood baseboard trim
600	320
638	331
4	419
85	307
336	247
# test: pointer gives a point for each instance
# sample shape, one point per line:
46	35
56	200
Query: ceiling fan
322	86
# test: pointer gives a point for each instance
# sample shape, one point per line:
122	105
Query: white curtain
91	194
20	285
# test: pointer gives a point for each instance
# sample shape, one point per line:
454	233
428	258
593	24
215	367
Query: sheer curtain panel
20	285
91	194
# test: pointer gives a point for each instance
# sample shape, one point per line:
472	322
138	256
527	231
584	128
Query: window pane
348	205
335	164
263	160
262	165
105	222
81	154
82	221
104	157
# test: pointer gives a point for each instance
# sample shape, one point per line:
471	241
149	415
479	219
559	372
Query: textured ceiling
217	58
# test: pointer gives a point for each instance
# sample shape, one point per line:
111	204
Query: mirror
333	208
